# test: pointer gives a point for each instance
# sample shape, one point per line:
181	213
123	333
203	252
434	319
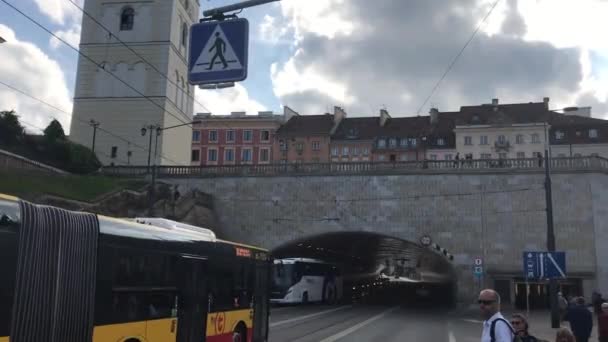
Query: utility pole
95	125
553	286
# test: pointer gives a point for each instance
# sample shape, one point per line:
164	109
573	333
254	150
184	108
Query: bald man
495	326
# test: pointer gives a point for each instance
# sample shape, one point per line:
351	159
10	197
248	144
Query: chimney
494	102
434	116
339	115
384	116
546	102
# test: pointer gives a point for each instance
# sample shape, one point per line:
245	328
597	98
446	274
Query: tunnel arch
368	256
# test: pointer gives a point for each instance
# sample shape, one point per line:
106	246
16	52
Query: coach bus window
8	263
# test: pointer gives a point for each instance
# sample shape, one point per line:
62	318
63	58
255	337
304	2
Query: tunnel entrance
378	269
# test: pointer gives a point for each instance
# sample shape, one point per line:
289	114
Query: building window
316	146
448	156
229	155
283	145
433	157
195	156
365	151
392	143
483	140
265	136
403	142
486	156
345	151
381	143
264	155
247	135
440	142
559	135
502	155
212	155
537	155
213	136
535	138
114	152
355	151
196	135
381	157
593	133
247	155
300	147
184	35
519	139
230	136
187	4
413	142
521	155
502	139
127	18
335	151
468	140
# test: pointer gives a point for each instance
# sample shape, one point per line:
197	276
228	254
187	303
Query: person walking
563	305
564	335
581	320
521	327
495	327
603	323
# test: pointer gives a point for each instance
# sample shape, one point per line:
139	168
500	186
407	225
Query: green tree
54	132
11	131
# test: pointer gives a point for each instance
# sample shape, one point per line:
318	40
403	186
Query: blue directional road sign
544	265
218	52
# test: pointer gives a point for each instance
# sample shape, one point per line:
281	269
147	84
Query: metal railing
426	166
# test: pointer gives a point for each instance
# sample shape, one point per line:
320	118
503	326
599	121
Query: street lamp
158	130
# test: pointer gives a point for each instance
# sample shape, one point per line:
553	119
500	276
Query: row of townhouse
488	131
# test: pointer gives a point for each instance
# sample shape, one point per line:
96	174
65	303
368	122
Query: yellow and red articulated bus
76	277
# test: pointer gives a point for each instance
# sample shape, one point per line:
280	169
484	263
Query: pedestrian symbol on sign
217	52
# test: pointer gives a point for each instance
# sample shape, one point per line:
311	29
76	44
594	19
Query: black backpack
492	334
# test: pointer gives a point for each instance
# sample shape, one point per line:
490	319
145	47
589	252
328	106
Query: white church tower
158	31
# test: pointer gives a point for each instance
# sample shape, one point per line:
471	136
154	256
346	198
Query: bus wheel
239	334
305	298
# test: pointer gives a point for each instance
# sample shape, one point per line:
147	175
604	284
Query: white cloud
316	17
225	101
60	11
271	30
289	80
71	36
26	67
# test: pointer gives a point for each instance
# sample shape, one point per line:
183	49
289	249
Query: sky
358	54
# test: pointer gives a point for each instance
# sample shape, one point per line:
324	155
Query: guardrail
427	166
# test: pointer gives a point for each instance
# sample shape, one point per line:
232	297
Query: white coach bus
300	280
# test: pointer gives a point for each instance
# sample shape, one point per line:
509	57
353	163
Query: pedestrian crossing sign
218	52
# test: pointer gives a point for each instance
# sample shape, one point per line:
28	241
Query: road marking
297	319
358	326
451	337
473	321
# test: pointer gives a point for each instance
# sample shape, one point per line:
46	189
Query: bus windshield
284	276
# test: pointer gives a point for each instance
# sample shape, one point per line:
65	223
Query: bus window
8	265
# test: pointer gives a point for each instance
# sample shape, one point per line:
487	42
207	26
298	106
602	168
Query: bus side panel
3	339
120	332
162	330
221	325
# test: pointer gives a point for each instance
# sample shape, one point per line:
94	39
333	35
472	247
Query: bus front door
192	300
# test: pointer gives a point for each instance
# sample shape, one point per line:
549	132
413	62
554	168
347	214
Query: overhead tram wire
83	121
112	34
451	65
93	61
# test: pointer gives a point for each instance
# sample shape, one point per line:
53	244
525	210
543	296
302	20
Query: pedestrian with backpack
495	326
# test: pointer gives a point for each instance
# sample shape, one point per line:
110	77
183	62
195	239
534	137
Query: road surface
362	323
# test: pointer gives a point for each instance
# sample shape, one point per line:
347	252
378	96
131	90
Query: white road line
301	318
451	337
473	321
358	326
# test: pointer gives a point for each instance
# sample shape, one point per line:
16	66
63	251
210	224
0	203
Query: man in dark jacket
581	320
